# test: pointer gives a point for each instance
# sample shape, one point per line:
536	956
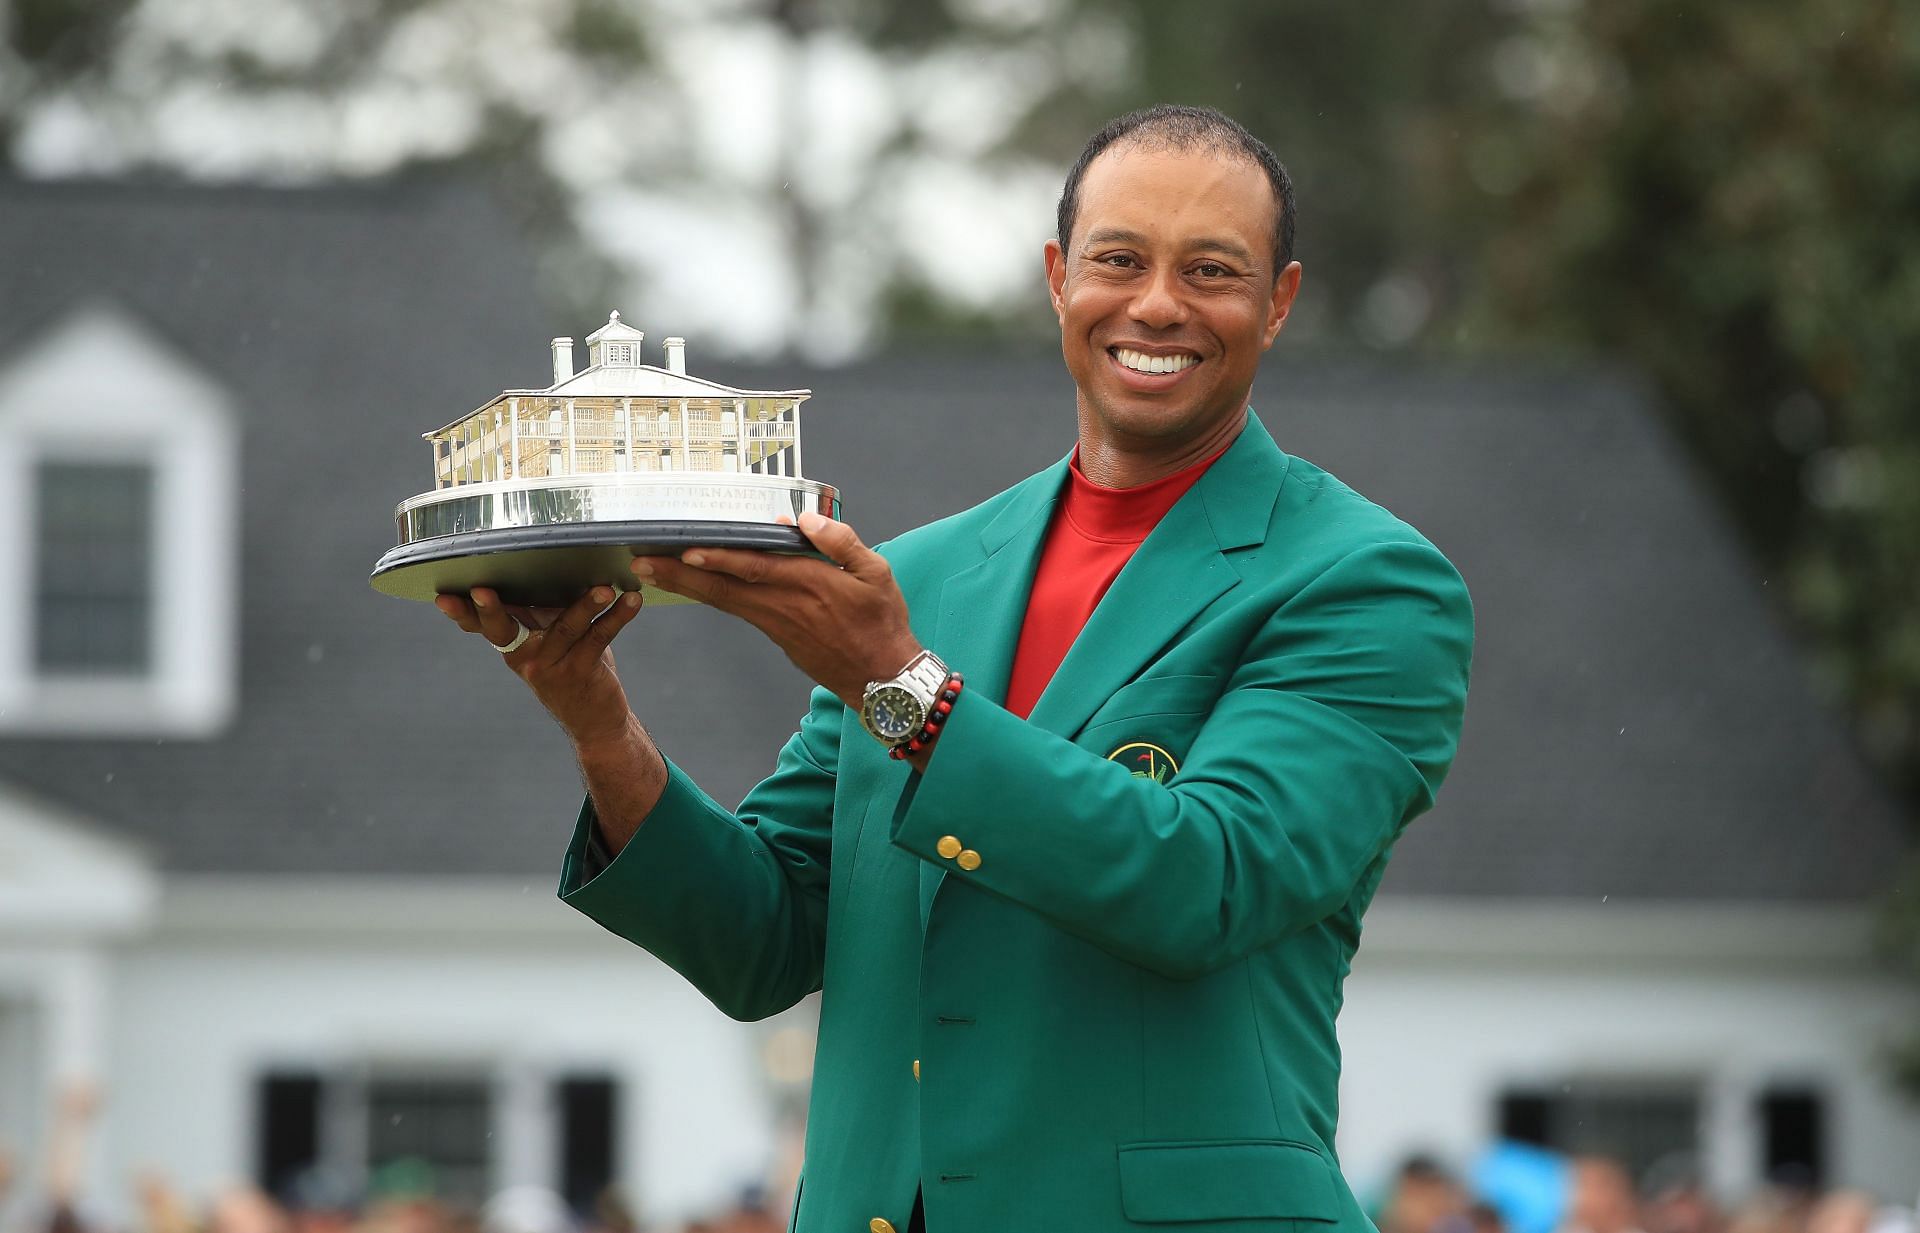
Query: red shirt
1092	537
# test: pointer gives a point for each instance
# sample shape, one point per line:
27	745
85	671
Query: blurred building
277	854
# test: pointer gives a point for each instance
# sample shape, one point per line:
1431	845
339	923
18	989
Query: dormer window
93	568
621	354
118	477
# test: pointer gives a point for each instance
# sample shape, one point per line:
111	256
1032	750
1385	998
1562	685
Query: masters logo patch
1146	760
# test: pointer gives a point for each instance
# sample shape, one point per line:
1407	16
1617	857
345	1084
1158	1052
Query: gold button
880	1224
916	1070
968	860
948	847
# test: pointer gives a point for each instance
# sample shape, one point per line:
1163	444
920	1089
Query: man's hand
568	658
841	621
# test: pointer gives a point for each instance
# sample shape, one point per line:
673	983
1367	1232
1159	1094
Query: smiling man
1099	779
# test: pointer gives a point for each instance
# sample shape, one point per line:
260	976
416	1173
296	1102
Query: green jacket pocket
1241	1179
1158	695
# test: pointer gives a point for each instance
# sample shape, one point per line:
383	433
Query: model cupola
615	344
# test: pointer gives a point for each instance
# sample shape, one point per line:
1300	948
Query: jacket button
948	847
880	1224
968	860
916	1070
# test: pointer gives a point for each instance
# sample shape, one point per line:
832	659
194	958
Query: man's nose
1159	304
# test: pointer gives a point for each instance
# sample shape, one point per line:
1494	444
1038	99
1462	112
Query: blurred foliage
1724	198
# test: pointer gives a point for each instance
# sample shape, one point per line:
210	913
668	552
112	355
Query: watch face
896	713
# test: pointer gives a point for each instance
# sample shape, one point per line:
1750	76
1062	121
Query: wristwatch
894	711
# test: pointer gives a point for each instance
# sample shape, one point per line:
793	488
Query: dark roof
1640	726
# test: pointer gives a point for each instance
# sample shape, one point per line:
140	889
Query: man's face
1167	296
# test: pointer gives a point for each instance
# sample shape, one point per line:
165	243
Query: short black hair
1173	126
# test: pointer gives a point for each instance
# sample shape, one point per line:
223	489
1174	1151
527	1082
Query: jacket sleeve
1334	731
736	902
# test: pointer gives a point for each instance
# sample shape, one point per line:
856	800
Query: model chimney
562	359
676	349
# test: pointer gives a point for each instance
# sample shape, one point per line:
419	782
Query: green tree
1723	198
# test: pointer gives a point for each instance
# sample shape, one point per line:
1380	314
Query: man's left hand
841	621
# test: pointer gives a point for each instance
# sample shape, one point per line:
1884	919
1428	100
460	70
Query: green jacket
1124	1015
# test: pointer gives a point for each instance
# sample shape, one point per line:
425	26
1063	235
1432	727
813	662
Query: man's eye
1118	260
1210	269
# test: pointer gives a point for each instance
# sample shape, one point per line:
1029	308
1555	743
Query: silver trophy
542	494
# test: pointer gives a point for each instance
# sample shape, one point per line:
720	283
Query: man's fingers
682	578
572	624
459	609
839	543
497	625
744	564
601	633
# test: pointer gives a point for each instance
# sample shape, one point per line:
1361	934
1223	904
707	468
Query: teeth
1140	361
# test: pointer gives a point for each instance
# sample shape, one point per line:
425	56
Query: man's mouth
1141	362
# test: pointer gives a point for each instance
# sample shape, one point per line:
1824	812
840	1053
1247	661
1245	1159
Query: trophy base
551	566
546	542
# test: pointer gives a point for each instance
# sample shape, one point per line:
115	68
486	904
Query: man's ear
1285	288
1056	262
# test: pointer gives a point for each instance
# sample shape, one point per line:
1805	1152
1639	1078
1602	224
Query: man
1082	945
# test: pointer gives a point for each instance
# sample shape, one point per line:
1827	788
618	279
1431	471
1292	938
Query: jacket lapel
1180	569
981	608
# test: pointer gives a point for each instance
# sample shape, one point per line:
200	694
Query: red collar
1125	515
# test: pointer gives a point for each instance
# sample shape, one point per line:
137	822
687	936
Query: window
121	520
588	1138
442	1123
1794	1140
355	1124
286	1130
93	568
619	353
1637	1122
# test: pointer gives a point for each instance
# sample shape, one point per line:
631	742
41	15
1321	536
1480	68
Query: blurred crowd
1595	1194
400	1198
1507	1189
248	1209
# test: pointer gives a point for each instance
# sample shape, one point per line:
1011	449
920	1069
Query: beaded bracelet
942	707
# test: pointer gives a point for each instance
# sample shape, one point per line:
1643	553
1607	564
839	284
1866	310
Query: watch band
924	674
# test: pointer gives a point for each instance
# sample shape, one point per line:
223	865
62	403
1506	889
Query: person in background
1844	1211
1677	1199
1425	1199
1603	1200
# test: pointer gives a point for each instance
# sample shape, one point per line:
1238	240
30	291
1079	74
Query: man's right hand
567	659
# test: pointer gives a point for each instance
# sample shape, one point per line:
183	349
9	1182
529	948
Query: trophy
543	494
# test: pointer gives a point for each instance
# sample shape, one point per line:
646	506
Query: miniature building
620	415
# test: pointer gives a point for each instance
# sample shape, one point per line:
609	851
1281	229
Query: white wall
237	980
1447	1005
